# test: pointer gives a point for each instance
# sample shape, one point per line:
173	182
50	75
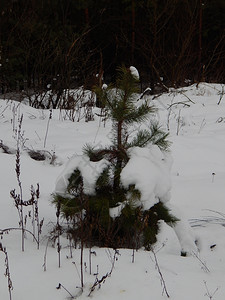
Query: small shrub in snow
107	193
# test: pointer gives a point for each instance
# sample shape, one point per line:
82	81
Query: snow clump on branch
134	73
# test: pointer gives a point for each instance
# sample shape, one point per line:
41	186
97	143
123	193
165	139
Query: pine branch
138	115
154	136
96	154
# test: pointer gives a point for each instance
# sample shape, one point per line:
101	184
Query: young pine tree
133	227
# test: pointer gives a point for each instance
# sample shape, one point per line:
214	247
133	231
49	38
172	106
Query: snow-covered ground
196	123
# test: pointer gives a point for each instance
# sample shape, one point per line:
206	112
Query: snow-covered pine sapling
7	272
88	201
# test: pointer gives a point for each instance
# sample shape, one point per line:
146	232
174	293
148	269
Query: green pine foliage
93	224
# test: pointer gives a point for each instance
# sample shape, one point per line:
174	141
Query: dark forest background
67	42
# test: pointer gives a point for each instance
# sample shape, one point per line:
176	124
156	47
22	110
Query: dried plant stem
45	257
20	196
15	228
81	264
221	95
208	293
98	282
46	134
35	197
61	286
90	252
113	258
204	267
58	229
7	272
163	283
178	122
20	204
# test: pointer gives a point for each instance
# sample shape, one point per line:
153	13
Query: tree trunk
119	159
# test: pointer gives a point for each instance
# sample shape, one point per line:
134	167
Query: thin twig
62	286
204	267
163	283
46	134
15	228
45	256
7	272
208	294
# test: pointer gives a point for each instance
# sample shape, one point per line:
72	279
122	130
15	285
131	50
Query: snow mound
149	170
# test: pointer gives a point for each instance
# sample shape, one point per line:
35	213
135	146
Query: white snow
116	211
149	171
134	72
196	124
89	170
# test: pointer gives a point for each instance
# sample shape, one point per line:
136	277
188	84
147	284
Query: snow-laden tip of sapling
7	272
